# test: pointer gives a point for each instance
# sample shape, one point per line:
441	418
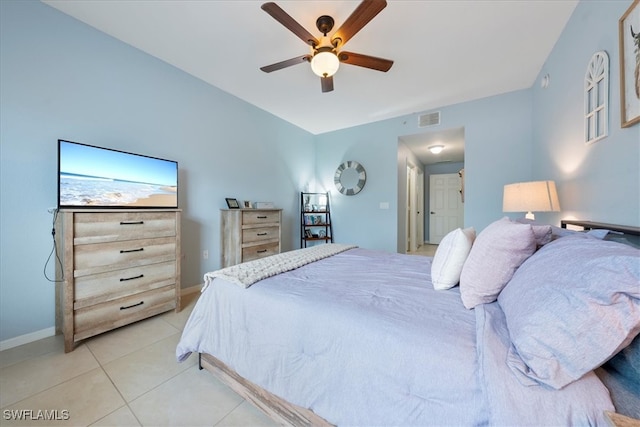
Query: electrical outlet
205	254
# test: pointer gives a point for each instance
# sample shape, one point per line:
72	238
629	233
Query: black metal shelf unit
315	219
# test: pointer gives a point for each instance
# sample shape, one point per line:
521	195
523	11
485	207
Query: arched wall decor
596	98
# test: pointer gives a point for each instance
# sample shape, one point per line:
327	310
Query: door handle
432	213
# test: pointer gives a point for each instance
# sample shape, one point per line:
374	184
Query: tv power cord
54	251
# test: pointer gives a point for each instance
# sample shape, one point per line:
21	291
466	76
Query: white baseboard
191	289
27	338
49	332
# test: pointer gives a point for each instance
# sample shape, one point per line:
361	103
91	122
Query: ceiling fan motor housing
324	24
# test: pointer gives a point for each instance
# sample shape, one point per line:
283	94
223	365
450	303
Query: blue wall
601	181
497	151
62	79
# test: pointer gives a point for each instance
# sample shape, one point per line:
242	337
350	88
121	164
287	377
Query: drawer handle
132	278
262	251
262	217
131	250
131	222
261	234
131	306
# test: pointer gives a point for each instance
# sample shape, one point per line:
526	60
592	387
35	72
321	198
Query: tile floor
126	377
425	250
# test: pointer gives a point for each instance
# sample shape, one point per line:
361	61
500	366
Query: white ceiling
451	139
445	51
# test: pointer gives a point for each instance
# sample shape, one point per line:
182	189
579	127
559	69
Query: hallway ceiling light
436	149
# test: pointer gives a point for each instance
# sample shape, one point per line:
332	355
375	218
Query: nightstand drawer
260	217
98	288
99	258
260	251
113	314
260	234
109	227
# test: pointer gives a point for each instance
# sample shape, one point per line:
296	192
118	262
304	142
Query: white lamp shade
325	64
534	196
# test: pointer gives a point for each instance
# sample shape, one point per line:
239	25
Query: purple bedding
362	338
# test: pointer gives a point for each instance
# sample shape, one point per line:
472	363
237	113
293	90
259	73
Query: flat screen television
96	177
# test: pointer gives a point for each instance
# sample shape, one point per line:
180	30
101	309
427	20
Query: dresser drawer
113	314
260	234
98	288
260	217
260	251
99	258
108	227
248	234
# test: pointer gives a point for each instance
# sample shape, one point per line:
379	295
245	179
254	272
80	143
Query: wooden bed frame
274	407
288	414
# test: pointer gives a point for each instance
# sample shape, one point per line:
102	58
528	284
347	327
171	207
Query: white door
412	239
446	210
420	207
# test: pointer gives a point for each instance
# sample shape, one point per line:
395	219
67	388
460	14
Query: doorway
414	153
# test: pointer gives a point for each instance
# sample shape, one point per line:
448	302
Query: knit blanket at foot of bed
248	273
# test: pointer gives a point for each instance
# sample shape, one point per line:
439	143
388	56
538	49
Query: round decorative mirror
350	178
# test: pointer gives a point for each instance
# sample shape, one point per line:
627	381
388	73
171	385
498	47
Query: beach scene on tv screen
92	176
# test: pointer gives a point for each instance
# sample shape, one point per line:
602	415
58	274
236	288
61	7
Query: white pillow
450	256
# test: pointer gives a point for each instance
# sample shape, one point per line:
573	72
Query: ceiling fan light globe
325	64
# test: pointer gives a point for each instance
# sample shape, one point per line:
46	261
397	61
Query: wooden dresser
119	266
249	234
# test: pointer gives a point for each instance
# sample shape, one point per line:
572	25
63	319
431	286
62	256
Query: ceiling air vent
430	119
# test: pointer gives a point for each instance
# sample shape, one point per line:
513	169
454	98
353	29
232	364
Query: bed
348	336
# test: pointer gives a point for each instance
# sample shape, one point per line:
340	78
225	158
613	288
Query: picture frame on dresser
629	43
232	203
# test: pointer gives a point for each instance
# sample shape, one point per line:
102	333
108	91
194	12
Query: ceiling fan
326	54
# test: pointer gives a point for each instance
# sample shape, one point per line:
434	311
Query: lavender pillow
571	307
496	254
542	234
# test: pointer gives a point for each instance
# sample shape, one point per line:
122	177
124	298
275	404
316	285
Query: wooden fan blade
327	84
366	61
291	24
360	17
285	64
